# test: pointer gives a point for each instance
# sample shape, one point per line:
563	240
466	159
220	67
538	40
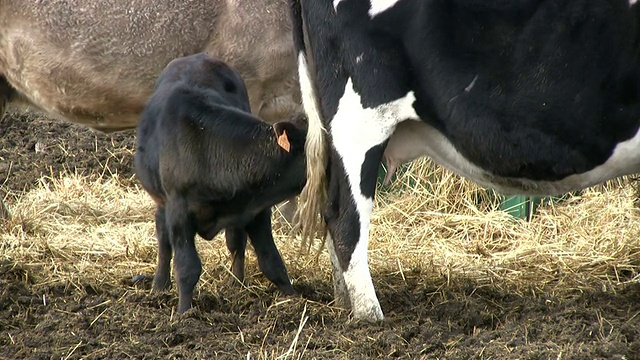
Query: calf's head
203	71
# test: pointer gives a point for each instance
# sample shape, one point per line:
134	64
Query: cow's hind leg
340	290
350	202
186	263
162	278
354	165
236	243
269	259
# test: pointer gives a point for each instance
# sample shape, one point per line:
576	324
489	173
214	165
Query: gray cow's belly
416	138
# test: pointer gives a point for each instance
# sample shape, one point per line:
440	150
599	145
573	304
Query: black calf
210	165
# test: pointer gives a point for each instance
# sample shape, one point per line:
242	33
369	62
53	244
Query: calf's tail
308	218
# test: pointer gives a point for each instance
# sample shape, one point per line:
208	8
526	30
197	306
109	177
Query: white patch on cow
379	6
359	58
357	278
631	2
354	131
624	160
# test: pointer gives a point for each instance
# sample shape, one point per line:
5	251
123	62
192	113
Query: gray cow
95	62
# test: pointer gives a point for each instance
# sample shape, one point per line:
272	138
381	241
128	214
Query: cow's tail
308	219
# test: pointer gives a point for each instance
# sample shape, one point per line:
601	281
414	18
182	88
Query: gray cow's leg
162	278
186	263
6	92
236	243
269	259
4	212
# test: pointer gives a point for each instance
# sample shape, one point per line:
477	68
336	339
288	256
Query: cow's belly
64	86
108	102
424	139
112	116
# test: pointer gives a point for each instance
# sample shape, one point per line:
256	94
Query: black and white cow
527	97
211	165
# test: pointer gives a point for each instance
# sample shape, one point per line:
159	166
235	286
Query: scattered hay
73	229
451	227
441	239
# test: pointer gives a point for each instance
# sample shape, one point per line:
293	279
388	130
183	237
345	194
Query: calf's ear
282	130
288	132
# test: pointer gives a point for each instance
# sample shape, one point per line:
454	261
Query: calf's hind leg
162	278
186	263
269	259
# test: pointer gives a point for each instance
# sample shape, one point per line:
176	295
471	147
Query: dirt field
62	302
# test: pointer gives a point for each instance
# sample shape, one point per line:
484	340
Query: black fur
558	82
210	165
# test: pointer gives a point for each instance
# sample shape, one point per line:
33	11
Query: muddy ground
427	317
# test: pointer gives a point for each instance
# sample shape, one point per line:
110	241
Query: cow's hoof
367	309
370	314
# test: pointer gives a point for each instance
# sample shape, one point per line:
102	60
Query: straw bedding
456	277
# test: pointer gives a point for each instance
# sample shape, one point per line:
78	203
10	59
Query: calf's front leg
269	259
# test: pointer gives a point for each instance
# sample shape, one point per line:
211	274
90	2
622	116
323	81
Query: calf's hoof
287	290
142	281
190	313
161	283
184	304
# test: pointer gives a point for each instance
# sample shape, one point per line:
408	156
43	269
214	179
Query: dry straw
429	224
